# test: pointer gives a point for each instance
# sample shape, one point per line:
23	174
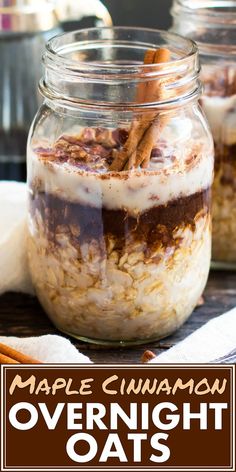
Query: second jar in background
212	26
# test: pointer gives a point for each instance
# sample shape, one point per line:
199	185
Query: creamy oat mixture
119	256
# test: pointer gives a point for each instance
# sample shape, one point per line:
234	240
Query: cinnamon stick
137	128
7	360
8	355
156	123
143	153
139	144
142	88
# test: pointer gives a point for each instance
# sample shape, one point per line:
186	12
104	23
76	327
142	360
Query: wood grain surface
21	315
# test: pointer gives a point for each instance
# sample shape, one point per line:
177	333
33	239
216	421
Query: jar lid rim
221	11
57	53
213	16
106	64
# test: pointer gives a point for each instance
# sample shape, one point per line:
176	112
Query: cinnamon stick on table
144	132
8	355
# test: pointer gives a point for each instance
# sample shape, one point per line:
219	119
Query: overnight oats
212	26
119	197
219	104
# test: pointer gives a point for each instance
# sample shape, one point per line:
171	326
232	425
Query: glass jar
213	25
120	168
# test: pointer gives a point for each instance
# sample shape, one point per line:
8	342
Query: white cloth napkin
212	341
14	274
47	349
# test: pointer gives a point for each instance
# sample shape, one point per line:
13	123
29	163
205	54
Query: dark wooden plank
21	315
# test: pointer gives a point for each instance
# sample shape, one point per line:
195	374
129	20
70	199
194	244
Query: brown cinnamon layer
225	153
87	223
219	82
225	164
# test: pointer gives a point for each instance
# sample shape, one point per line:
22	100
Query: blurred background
25	26
148	13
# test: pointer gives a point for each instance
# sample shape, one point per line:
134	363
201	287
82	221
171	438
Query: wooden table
21	315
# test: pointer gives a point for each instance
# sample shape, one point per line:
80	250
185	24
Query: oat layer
119	295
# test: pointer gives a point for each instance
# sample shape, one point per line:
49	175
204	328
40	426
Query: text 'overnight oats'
219	103
126	253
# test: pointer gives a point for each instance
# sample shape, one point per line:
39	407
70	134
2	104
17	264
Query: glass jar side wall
213	30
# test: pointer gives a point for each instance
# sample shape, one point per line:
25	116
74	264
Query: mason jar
120	168
212	25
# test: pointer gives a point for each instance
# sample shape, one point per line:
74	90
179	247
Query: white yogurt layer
135	191
221	114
